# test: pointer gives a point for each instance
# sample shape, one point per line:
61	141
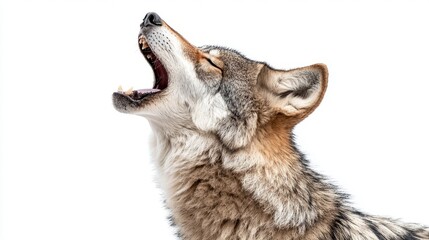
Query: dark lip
136	96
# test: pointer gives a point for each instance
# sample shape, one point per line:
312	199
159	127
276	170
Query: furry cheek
208	112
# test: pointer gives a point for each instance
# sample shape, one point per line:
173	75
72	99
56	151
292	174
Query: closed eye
213	64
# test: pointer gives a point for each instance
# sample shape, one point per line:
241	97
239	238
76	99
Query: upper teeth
143	42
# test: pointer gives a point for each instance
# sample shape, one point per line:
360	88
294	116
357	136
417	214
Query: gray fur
225	155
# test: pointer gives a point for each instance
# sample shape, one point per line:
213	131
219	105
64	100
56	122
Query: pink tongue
144	91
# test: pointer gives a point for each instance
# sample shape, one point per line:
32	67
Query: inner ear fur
295	93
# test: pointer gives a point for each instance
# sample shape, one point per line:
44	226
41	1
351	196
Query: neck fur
270	169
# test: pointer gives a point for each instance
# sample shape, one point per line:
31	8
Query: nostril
151	19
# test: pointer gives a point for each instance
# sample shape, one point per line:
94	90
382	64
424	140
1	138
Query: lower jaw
139	94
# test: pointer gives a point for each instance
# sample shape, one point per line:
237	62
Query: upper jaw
158	67
132	100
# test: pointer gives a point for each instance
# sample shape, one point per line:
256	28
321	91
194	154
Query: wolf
224	149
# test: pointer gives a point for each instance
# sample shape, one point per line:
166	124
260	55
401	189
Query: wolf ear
296	92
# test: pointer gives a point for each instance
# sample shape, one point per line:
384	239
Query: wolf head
216	90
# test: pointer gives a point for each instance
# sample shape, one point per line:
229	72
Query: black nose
151	18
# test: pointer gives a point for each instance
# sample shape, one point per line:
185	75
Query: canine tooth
143	42
120	88
129	91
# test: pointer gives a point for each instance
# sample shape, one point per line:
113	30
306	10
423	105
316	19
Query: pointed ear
296	92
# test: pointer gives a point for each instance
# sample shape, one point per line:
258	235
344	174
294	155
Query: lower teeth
129	91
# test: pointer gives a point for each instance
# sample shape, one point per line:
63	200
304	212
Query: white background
74	168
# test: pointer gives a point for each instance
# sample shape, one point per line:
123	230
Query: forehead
233	60
223	52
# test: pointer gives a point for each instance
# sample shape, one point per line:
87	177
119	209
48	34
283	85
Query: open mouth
161	76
